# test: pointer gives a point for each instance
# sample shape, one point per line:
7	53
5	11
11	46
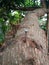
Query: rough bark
30	49
40	12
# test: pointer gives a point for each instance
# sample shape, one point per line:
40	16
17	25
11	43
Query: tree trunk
48	29
29	46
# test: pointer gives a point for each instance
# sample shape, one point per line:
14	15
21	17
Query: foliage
14	3
28	3
43	22
15	16
2	29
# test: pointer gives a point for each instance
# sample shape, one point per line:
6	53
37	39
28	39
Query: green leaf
1	38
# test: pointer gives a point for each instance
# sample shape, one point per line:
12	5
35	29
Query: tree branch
40	12
25	8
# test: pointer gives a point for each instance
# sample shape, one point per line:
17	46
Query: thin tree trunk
48	29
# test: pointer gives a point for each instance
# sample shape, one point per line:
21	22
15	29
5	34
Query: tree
28	48
30	44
